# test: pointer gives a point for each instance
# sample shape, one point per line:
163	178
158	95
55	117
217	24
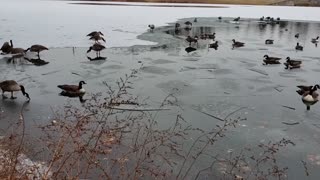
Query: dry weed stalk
97	140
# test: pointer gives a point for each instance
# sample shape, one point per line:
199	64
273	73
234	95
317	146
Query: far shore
231	2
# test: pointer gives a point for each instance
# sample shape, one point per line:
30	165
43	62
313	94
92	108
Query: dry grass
98	141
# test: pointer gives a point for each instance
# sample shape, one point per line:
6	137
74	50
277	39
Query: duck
269	41
96	47
213	45
192	40
11	86
237	43
6	47
73	89
292	63
297	35
315	40
309	96
219	17
299	47
96	38
94	33
271	60
151	26
37	48
278	18
190	49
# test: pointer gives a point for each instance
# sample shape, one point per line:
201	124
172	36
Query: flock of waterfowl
308	93
67	90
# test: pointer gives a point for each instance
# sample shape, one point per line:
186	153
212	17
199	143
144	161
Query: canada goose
237	43
297	35
188	23
278	18
315	40
219	17
190	49
203	36
96	38
73	89
292	63
299	47
266	57
37	48
268	18
188	26
302	89
6	47
262	18
177	25
309	95
212	36
94	33
11	86
214	45
96	47
236	19
151	26
191	39
270	60
269	41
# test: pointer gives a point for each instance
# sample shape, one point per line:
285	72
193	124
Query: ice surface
62	24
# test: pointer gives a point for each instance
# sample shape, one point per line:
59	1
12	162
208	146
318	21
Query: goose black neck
80	85
24	92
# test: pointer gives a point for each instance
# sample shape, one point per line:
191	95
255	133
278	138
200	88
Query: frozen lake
216	82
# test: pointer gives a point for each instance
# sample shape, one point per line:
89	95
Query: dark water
217	82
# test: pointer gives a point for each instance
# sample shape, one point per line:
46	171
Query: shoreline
197	3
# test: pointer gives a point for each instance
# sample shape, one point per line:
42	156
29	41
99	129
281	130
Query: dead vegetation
96	141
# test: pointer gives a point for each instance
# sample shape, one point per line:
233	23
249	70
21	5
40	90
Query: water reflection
37	62
98	58
73	95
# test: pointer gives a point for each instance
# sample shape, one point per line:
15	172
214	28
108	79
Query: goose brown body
309	96
237	43
37	48
12	86
96	38
73	88
96	47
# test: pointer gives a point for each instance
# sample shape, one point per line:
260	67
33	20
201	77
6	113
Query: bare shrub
107	138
